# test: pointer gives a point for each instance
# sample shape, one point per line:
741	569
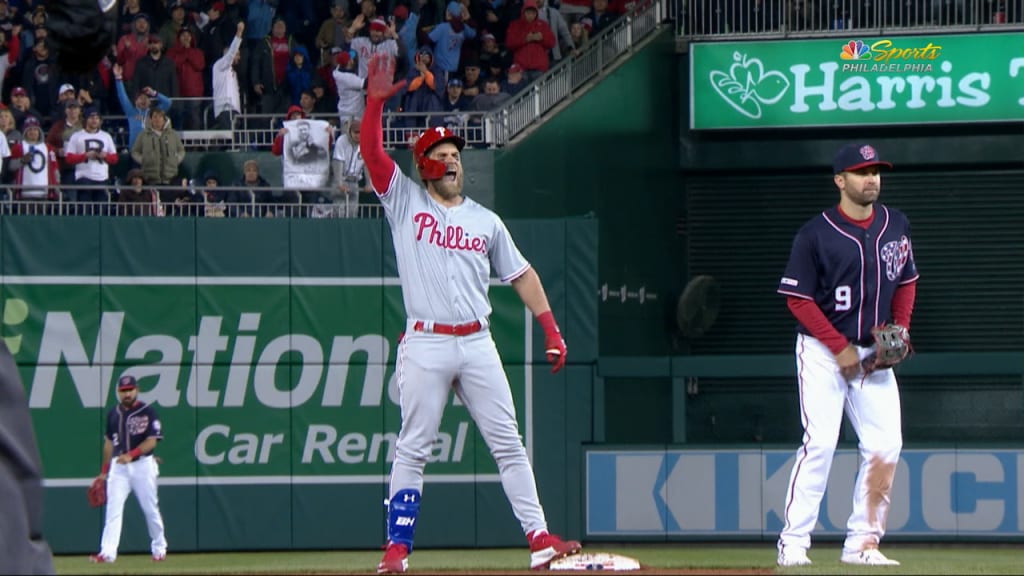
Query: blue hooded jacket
298	79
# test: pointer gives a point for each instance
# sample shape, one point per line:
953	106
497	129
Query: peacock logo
855	50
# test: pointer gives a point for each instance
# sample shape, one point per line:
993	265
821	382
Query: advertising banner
257	380
857	81
937	492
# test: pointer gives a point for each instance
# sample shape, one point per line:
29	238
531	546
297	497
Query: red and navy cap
853	157
127	383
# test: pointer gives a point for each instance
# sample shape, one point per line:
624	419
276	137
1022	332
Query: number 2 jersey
129	427
849	271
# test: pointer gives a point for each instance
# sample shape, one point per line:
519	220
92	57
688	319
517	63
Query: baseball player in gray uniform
445	246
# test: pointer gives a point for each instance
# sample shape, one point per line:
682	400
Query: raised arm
371	136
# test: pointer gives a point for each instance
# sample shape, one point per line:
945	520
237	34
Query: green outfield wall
268	349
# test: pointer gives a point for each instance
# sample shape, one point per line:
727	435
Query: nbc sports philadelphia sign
857	81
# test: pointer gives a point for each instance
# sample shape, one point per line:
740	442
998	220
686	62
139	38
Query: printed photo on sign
307	161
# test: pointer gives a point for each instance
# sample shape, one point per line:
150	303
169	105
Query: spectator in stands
529	38
349	172
59	134
257	23
368	11
601	15
10	50
269	64
423	92
212	31
133	46
294	113
323	102
514	81
556	21
92	86
580	29
139	199
235	11
156	72
158	150
39	78
138	111
258	189
491	98
308	102
298	74
351	88
452	104
175	24
12	136
471	82
381	38
332	33
189	65
493	57
449	36
21	106
91	151
130	10
215	201
407	24
36	178
227	99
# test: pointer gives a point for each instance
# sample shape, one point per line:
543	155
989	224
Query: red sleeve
52	176
278	147
813	319
17	151
72	159
111	158
13	48
371	143
903	304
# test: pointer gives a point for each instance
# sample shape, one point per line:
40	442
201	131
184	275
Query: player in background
133	429
851	268
445	246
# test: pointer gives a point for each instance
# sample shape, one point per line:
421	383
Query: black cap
856	156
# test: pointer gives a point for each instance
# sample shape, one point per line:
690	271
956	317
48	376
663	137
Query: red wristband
547	322
135	453
105	467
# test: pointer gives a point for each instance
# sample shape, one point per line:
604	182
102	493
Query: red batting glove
379	77
554	345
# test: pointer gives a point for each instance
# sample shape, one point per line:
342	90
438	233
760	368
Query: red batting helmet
433	169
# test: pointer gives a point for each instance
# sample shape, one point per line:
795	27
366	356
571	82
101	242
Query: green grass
915	559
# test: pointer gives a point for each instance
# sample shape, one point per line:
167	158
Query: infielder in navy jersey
133	430
851	268
446	246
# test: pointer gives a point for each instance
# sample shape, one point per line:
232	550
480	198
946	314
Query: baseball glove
97	492
892	346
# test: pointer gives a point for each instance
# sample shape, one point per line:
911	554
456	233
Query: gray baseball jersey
445	254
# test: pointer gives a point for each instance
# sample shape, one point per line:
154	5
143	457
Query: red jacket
189	64
529	55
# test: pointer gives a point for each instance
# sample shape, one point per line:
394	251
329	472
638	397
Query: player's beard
448	189
865	196
128	401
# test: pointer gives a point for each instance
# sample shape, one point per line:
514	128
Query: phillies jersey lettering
127	428
445	255
851	273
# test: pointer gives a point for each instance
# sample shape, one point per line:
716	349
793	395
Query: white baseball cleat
869	557
789	557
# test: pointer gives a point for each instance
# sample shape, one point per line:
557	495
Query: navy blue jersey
851	273
129	427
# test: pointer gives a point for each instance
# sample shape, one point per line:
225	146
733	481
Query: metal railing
721	19
196	202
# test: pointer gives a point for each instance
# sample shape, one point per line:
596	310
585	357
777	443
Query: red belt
449	329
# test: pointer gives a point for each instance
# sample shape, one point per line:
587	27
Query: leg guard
402	511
